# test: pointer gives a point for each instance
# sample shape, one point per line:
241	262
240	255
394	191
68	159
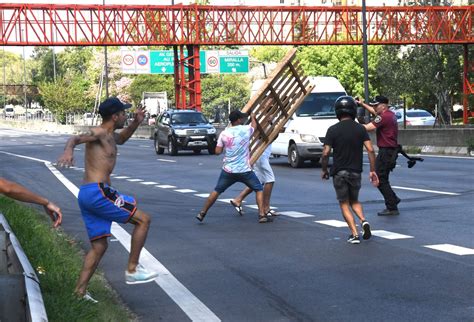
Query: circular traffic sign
212	61
142	60
128	59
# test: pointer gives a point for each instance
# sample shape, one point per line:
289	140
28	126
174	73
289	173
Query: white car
415	117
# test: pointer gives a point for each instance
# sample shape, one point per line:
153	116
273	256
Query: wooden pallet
276	101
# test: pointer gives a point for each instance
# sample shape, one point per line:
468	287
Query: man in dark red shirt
386	127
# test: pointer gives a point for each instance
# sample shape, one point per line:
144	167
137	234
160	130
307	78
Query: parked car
9	112
415	117
184	130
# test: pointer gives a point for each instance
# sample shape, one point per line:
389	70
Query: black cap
236	115
111	106
379	99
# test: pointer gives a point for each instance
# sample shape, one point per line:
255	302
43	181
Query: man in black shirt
346	139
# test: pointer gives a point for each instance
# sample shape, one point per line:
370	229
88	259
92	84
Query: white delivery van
304	133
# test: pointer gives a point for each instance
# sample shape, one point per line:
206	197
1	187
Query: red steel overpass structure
189	26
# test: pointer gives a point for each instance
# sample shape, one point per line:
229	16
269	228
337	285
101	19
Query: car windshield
188	118
319	105
418	114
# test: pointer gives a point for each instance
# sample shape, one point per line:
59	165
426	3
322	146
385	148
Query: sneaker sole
142	282
367	233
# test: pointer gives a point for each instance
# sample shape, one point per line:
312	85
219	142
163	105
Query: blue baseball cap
111	106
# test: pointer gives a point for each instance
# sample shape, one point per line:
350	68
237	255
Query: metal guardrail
20	293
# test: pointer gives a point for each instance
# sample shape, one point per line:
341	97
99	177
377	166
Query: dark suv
184	130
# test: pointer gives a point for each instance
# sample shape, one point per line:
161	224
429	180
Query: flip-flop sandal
237	207
272	213
264	219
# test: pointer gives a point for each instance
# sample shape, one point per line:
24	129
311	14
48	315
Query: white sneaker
89	298
141	275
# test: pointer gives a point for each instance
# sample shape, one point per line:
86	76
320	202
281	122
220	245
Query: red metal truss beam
93	25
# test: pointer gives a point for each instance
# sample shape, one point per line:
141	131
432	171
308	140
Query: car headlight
211	131
180	132
309	138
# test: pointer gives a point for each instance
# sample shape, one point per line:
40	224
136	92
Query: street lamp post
24	84
365	58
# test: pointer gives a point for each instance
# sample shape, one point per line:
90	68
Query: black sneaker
366	230
201	216
353	239
388	212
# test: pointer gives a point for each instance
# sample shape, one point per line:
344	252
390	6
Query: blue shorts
227	179
101	205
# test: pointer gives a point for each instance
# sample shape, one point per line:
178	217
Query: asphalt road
418	266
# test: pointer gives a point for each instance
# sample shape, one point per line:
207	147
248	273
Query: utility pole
365	58
106	64
4	80
24	83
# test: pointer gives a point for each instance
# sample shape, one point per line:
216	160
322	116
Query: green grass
60	257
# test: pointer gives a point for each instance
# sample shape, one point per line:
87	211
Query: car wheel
158	149
294	158
316	163
172	149
211	149
197	151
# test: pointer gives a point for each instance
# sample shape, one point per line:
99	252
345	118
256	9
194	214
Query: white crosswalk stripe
452	249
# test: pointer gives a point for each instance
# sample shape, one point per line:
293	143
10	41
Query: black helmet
345	105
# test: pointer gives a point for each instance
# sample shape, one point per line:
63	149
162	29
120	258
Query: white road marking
256	207
165	186
49	145
389	235
29	142
424	190
185	190
147	183
134	180
453	249
190	304
224	200
24	157
144	146
295	214
77	149
333	223
122	177
202	195
166	160
78	169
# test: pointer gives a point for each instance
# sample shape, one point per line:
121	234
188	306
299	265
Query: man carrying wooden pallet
235	140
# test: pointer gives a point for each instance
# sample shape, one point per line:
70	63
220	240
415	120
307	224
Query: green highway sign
211	61
234	64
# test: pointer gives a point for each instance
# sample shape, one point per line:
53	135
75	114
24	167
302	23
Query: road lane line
190	304
185	190
135	180
425	190
24	157
295	214
202	195
165	186
256	206
166	160
453	249
121	177
389	235
147	183
333	223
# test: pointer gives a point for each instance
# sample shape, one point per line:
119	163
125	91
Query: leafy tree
269	54
426	75
219	90
43	67
75	60
66	96
343	62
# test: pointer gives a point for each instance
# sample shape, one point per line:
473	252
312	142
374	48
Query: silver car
415	117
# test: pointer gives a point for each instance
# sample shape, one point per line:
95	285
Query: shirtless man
100	203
